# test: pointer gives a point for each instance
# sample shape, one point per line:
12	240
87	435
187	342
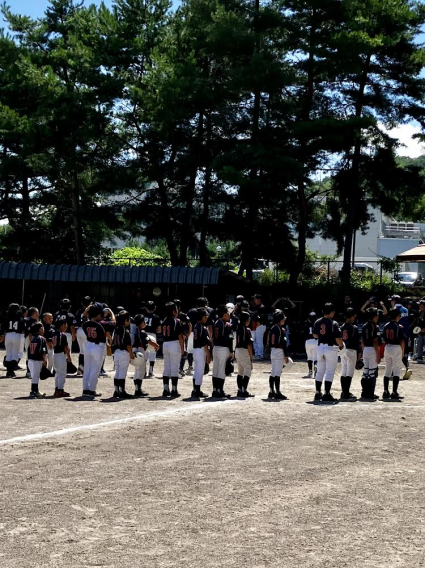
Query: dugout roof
416	254
109	274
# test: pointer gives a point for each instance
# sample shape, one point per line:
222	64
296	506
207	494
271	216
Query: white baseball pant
258	340
348	362
121	362
244	362
393	361
35	369
311	349
12	342
172	354
60	366
69	339
140	372
327	360
50	359
22	346
221	354
93	361
82	341
151	353
199	358
370	362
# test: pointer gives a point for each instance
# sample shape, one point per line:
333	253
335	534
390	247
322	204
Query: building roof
109	274
415	254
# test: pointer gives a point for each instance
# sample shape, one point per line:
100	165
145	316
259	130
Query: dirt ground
238	483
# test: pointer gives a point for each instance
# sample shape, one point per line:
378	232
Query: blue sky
36	8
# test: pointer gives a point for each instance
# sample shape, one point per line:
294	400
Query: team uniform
49	330
327	332
260	318
25	340
14	334
394	335
121	341
172	329
140	344
153	323
37	350
60	344
185	320
200	340
370	333
310	347
95	353
351	338
243	341
223	346
278	343
81	337
421	336
64	315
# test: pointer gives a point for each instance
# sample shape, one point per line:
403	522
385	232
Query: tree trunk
25	222
204	257
168	229
76	219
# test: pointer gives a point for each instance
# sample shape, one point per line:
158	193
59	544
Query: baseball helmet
138	360
229	367
45	373
359	364
71	369
206	369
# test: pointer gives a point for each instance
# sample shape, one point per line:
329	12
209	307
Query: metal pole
380	273
354	246
329	271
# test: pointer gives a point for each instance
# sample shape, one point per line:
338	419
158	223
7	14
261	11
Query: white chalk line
117	421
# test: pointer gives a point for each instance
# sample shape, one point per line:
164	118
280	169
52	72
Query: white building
384	238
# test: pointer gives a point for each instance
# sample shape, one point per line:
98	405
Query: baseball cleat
318	396
280	396
327	397
395	396
37	394
174	394
386	395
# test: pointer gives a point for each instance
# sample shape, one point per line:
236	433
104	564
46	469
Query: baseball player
24	312
328	334
30	320
395	344
278	343
95	351
223	350
80	318
48	334
61	354
140	343
14	332
123	353
371	354
173	349
310	345
350	354
201	351
244	354
65	314
37	352
187	331
193	317
153	327
421	336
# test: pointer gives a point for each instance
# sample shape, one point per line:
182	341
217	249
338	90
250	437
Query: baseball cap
230	307
239	299
312	315
396	297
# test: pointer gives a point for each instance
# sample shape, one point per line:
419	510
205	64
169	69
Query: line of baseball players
225	332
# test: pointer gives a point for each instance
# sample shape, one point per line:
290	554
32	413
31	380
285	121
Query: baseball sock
386	383
190	359
318	386
81	360
239	382
348	385
174	383
34	387
138	385
151	365
310	366
328	386
182	362
396	380
271	383
245	383
277	383
166	383
117	388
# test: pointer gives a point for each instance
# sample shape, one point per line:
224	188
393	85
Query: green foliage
135	256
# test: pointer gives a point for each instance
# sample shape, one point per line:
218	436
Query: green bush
136	256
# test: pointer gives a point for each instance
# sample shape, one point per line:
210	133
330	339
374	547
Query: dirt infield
239	483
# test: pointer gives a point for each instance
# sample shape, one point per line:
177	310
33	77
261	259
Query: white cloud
411	147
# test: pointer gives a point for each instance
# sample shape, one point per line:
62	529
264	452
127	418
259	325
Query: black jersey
200	336
308	330
193	316
223	334
59	341
171	329
29	322
121	338
80	318
327	330
277	338
393	333
351	336
259	315
141	339
63	315
49	330
108	326
15	324
243	337
94	331
370	332
184	318
37	348
153	322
